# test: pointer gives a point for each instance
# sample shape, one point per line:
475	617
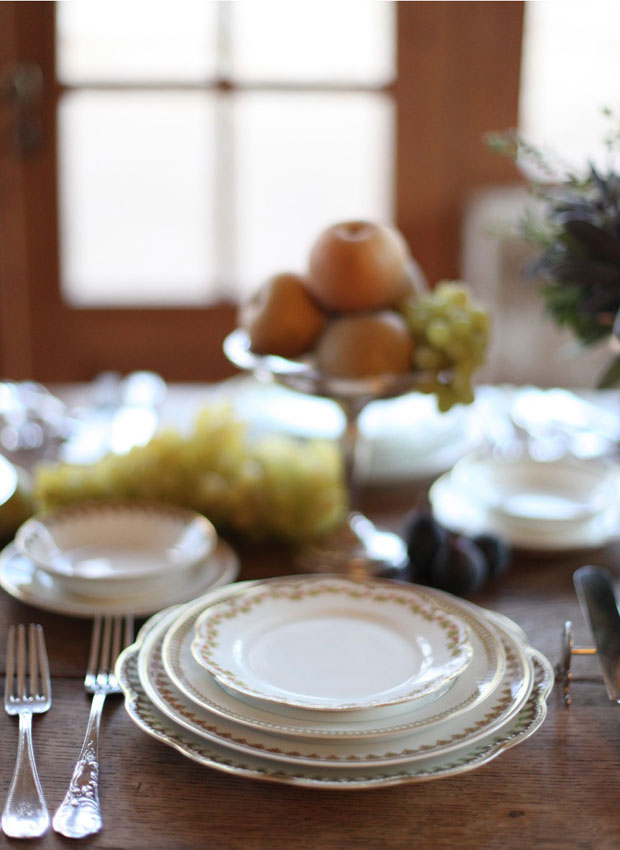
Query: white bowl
113	549
541	497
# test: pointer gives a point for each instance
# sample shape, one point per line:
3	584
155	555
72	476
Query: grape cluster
450	332
452	562
270	487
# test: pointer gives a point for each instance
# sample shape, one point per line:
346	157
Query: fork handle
25	814
79	814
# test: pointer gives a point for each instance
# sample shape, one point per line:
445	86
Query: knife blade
595	591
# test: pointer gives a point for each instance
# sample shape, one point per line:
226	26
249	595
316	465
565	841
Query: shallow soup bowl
542	497
115	549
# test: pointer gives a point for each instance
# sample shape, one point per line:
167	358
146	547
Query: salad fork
26	692
79	814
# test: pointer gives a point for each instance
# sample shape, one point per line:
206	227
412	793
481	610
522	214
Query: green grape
438	333
275	487
451	333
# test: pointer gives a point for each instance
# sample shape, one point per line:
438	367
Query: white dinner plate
331	644
22	580
449	734
456	508
221	757
197	686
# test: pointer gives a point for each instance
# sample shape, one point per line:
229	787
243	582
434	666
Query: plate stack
334	682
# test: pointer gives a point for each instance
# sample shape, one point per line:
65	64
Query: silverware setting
79	814
27	691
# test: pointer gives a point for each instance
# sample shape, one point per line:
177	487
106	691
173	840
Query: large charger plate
448	735
220	757
331	644
200	688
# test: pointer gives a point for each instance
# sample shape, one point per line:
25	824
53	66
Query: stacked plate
333	682
115	557
565	503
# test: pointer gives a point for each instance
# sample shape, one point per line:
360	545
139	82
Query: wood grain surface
558	789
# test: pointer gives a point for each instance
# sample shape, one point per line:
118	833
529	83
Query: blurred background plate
400	439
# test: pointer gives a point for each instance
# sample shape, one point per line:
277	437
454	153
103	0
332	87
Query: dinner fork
26	693
79	814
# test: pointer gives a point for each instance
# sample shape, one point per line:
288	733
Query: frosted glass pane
351	41
305	161
136	198
135	40
571	67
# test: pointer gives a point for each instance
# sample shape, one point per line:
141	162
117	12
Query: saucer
21	579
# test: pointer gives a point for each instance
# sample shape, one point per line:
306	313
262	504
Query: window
571	65
189	149
196	190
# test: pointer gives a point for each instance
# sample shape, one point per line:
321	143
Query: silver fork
79	814
26	693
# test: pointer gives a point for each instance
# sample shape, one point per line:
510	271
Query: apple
358	266
362	345
282	317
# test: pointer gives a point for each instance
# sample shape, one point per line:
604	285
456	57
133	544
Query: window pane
140	40
303	162
349	41
571	67
136	197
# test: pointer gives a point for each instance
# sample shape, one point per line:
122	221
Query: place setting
334	682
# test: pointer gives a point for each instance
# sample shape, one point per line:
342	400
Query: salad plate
219	756
331	644
21	578
197	686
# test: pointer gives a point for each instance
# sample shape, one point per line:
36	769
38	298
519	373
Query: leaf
611	375
586	272
602	244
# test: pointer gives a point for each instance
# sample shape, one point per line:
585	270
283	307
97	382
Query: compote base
357	548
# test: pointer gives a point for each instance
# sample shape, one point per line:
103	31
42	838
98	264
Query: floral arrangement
578	237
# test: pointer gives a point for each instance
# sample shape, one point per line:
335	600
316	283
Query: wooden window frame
458	76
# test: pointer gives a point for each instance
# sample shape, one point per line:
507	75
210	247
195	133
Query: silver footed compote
357	547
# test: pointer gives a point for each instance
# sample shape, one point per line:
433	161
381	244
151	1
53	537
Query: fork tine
116	643
21	660
93	656
104	658
9	682
128	630
33	663
44	668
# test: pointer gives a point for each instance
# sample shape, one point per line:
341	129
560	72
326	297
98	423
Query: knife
597	599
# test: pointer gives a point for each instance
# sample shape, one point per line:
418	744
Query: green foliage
577	237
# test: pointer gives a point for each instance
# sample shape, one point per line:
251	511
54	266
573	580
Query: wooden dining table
559	789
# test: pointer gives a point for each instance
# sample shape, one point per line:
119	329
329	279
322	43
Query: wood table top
557	789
